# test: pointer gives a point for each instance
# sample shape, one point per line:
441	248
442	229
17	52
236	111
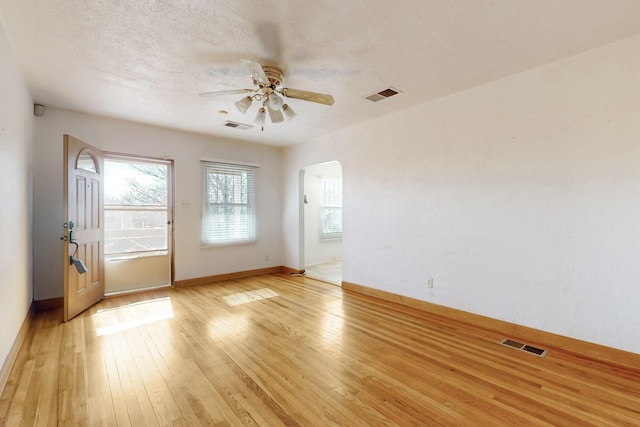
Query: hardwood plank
138	402
278	350
242	397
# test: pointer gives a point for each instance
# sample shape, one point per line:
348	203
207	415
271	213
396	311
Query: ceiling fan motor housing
275	75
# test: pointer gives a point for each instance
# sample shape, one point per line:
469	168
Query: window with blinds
228	210
331	210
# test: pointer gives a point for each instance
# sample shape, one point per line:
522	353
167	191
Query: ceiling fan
268	92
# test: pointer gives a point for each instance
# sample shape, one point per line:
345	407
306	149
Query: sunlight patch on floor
117	319
250	296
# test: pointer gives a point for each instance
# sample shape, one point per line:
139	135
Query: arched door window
86	161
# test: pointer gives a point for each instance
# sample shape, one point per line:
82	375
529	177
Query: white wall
520	198
317	251
16	118
186	149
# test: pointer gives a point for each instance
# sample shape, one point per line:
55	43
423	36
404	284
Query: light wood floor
275	350
330	272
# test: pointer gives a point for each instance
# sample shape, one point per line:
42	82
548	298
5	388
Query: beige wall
186	149
520	198
16	117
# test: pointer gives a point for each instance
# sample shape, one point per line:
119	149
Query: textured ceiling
146	61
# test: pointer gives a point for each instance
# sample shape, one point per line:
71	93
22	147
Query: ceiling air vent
524	347
383	94
237	125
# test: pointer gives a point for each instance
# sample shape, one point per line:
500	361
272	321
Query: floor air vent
524	347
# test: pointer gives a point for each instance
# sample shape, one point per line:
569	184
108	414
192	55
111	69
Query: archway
322	223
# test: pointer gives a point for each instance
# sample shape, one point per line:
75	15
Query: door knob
64	238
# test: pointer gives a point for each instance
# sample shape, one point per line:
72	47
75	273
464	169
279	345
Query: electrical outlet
430	283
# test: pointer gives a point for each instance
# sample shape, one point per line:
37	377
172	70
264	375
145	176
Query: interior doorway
138	212
322	192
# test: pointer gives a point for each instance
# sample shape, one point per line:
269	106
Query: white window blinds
228	210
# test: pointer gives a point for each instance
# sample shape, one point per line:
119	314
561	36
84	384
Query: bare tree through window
228	212
136	211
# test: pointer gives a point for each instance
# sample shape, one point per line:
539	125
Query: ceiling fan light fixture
275	102
275	115
288	112
269	94
261	116
244	104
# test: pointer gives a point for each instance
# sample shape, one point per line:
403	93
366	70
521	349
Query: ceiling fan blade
226	92
305	95
275	115
256	71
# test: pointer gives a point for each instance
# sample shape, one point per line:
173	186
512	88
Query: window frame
141	208
208	226
330	203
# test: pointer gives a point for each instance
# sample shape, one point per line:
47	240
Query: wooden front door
84	217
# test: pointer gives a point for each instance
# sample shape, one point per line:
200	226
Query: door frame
170	193
302	236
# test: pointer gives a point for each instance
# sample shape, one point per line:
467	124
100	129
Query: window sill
127	257
226	244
